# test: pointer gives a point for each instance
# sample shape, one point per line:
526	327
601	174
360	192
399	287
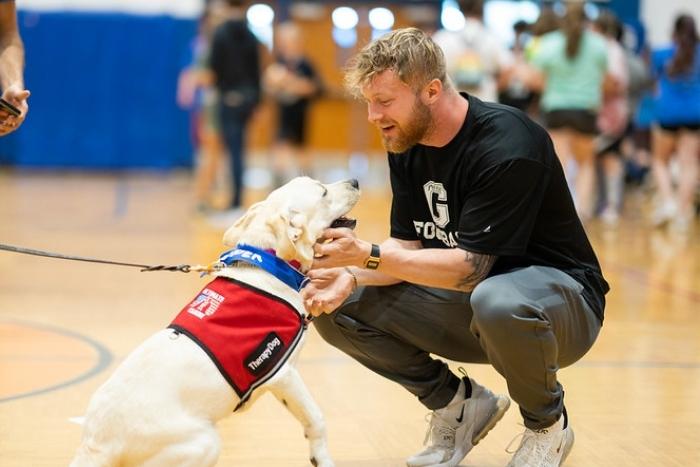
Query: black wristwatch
373	261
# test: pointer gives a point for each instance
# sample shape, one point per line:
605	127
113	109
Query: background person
677	107
235	62
196	92
573	65
293	82
474	55
613	119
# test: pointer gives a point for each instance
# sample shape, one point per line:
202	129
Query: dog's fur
160	406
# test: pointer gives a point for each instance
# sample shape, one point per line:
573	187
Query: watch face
372	264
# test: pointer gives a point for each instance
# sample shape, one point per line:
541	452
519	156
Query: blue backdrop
103	92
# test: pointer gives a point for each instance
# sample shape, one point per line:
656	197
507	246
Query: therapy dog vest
248	333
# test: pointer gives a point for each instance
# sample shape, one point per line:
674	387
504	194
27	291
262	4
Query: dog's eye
325	191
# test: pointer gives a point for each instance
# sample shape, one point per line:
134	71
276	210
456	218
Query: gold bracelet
354	277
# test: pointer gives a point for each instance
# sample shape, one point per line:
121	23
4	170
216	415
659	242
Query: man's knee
327	329
495	304
333	327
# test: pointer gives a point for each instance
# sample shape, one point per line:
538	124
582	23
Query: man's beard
412	132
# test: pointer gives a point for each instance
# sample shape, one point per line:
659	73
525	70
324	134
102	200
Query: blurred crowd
618	115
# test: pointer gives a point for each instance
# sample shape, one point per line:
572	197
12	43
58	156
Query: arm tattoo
481	265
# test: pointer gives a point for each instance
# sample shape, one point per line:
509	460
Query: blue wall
626	10
103	92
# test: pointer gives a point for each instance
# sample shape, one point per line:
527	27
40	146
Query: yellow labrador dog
160	407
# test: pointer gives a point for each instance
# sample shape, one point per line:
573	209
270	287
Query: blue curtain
103	92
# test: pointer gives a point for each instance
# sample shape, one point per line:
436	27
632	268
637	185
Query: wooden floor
634	400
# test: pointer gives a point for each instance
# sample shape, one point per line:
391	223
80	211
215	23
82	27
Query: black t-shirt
497	188
303	69
235	59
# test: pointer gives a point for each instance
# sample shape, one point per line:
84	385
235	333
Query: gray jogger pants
527	324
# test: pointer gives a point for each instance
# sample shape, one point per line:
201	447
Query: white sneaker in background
454	430
663	213
610	216
683	222
547	447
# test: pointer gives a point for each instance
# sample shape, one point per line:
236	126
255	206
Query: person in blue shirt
677	113
11	68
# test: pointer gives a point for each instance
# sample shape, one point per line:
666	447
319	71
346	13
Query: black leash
143	267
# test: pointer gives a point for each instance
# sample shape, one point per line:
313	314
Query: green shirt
576	83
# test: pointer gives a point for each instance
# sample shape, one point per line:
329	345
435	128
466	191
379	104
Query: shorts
676	127
292	123
581	120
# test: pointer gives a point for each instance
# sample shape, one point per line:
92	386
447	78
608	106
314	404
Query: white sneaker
454	430
610	216
683	221
663	213
547	447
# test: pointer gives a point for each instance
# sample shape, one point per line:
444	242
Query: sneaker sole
502	405
567	447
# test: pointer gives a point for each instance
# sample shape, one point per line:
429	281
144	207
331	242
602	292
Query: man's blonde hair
409	52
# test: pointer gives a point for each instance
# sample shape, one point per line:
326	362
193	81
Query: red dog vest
248	333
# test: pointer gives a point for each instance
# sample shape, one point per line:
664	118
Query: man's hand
327	290
344	249
17	97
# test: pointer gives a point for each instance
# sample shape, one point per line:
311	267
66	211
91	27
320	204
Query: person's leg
583	149
233	129
237	163
392	331
279	162
530	323
208	164
613	173
561	138
663	145
688	153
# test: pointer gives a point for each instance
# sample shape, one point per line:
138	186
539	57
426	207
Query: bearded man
487	261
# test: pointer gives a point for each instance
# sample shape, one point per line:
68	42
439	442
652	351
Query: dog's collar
265	259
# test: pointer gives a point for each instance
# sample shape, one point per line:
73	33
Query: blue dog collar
264	260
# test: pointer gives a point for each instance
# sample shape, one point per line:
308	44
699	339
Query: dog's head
293	217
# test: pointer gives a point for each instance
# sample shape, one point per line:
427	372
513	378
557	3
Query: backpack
468	71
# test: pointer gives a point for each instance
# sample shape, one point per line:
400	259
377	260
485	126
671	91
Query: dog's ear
233	234
292	238
303	241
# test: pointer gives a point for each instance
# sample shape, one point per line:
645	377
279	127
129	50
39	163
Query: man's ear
233	234
432	91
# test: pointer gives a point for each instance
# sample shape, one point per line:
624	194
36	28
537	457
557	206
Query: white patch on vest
206	303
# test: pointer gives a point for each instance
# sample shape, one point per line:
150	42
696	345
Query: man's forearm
454	269
373	277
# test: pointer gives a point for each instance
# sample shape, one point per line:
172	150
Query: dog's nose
355	184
